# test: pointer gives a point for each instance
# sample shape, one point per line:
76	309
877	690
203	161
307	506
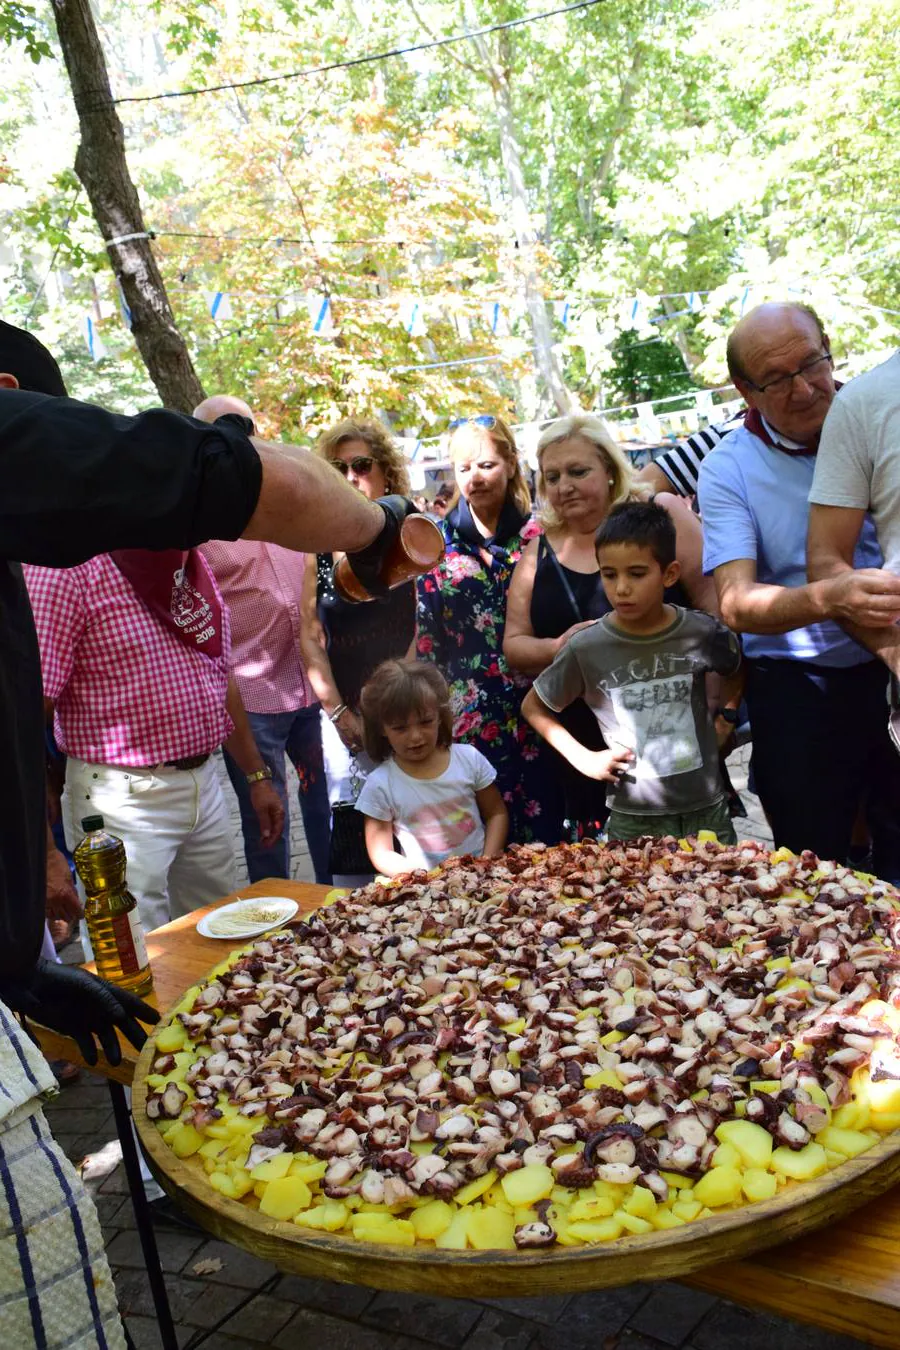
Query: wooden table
845	1278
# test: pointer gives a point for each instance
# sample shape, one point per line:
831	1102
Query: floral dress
460	621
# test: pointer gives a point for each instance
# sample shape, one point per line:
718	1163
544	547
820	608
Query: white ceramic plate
247	918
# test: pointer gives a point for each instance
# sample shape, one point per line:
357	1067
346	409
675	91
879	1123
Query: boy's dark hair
396	689
642	523
22	355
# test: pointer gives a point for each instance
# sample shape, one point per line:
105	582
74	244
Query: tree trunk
542	338
102	167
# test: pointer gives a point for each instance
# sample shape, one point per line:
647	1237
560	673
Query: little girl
437	798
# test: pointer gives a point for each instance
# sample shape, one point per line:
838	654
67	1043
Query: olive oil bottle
111	911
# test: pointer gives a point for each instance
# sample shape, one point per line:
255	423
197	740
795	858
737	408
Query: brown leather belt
189	762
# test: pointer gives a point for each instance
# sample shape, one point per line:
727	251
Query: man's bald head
220	405
780	360
764	328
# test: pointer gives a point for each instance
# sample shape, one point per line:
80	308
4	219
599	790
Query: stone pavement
208	1279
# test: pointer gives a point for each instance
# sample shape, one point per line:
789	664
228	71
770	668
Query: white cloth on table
174	825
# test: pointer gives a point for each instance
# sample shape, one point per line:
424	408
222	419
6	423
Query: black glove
78	1004
238	420
368	562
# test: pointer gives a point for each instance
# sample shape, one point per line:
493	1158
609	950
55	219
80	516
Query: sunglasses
486	420
360	464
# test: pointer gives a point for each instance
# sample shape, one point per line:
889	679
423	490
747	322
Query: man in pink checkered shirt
139	715
262	585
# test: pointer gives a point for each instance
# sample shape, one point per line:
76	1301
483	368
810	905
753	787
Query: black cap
23	356
89	823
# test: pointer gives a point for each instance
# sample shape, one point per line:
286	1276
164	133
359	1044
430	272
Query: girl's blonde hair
468	436
594	430
396	689
385	451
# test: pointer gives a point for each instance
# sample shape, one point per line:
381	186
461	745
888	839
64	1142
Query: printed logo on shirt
656	718
189	608
440	828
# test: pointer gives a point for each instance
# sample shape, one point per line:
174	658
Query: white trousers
174	825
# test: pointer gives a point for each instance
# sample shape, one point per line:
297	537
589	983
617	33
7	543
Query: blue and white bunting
694	302
219	305
562	310
92	338
124	309
320	315
495	318
413	319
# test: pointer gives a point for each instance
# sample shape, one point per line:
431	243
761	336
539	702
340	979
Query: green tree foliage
664	146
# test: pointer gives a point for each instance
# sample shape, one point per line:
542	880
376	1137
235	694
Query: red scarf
753	422
178	590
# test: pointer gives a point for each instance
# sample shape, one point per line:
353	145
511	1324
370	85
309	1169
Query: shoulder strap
564	581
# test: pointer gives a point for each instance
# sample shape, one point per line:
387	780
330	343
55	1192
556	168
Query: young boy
641	670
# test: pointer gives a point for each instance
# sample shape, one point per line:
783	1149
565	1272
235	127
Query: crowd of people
540	619
575	664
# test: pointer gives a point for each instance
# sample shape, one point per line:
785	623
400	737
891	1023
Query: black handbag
348	855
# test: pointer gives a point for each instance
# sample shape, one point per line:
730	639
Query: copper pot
418	547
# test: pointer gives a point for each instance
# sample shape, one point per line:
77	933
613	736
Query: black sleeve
78	481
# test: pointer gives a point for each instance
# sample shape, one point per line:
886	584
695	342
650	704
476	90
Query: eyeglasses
486	420
782	384
360	464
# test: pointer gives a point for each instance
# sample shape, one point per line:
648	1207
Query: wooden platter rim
725	1236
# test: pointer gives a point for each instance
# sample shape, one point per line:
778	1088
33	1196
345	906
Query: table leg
143	1217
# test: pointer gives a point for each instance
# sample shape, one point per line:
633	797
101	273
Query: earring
612	482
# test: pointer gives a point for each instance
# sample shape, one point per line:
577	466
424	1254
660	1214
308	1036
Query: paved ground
209	1279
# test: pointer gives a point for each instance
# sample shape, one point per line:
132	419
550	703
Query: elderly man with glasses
821	751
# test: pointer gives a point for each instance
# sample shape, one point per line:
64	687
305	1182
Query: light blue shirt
753	504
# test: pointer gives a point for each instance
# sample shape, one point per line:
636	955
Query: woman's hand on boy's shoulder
570	633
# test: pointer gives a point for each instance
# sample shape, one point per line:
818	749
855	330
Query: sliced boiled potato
800	1164
719	1186
751	1141
491	1228
847	1142
527	1185
432	1219
455	1235
285	1197
758	1184
466	1194
273	1168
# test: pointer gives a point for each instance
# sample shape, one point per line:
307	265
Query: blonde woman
556	587
461	608
342	643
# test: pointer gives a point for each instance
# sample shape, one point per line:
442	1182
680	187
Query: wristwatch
729	715
259	777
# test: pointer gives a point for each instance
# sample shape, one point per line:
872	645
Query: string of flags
640	312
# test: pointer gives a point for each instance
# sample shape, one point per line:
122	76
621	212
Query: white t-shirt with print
434	818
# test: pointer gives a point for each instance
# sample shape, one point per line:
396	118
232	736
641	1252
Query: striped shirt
263	586
681	464
127	691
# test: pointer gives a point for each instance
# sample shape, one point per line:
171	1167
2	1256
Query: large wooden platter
797	1209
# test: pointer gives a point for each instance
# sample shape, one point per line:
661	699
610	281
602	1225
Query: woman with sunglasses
461	608
342	643
556	589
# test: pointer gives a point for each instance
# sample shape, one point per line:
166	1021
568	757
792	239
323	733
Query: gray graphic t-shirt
649	696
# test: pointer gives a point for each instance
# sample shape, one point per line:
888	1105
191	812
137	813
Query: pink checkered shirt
263	585
126	690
